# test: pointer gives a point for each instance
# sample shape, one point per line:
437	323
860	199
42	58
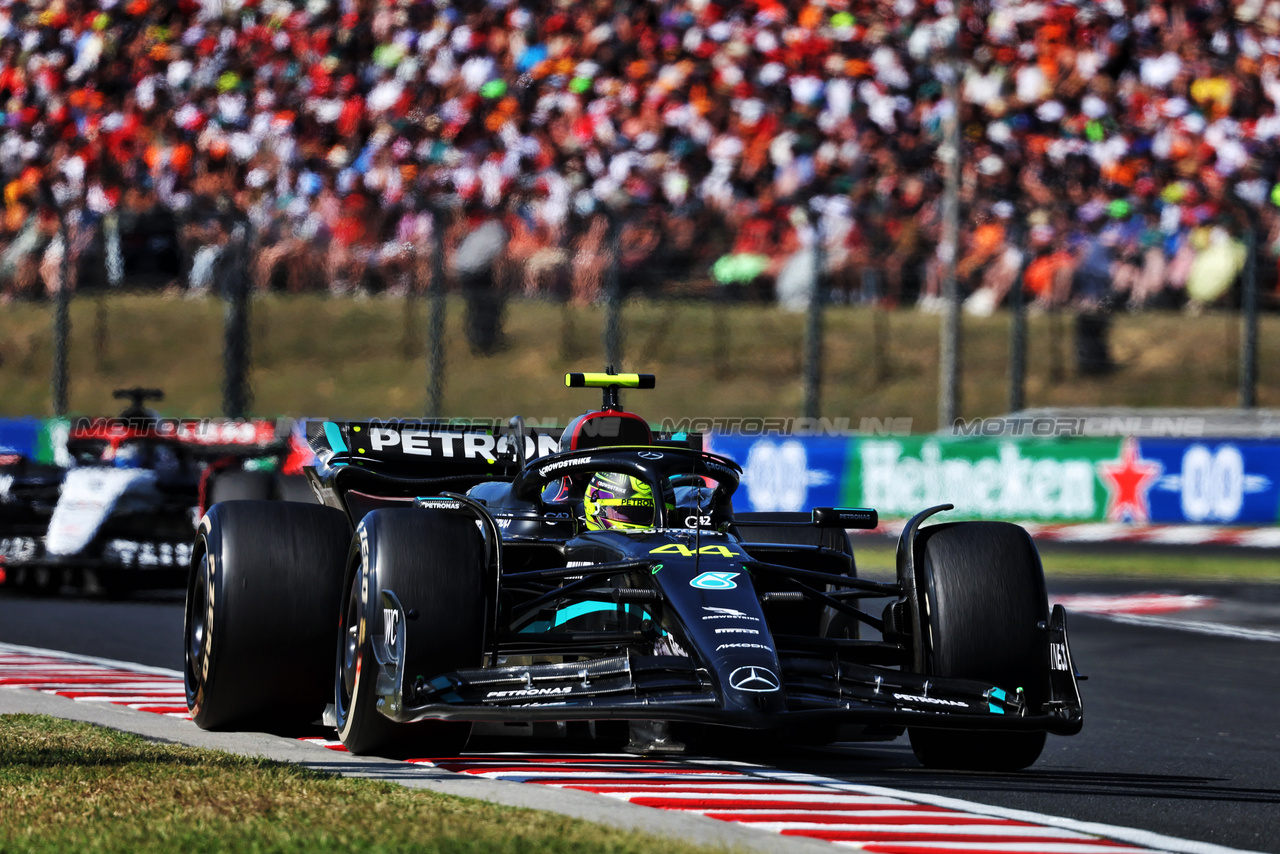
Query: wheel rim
195	637
349	650
196	630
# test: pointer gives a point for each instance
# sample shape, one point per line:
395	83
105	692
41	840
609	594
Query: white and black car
120	513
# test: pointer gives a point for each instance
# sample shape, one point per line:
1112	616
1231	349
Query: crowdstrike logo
755	680
727	614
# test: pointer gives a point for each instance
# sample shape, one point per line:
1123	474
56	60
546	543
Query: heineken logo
1005	484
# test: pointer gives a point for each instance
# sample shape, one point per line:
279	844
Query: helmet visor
625	511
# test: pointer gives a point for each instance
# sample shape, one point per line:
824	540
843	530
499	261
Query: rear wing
437	448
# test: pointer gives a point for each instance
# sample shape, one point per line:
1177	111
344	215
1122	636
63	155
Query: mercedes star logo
759	680
650	455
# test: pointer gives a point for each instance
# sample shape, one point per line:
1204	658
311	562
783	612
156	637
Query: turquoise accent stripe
999	694
582	608
333	433
578	609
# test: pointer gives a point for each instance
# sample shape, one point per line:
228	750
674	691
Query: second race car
119	514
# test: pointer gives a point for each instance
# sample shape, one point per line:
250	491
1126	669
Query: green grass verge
319	356
68	786
1164	565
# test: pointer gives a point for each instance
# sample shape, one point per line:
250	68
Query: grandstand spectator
332	124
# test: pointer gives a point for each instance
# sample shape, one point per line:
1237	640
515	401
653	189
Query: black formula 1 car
459	575
120	514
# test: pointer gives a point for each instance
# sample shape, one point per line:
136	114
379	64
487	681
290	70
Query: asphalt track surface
1181	737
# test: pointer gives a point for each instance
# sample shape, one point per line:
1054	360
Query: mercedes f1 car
456	575
120	514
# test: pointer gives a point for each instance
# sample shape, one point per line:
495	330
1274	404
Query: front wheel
434	562
982	595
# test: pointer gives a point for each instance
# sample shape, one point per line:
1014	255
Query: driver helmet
618	502
129	455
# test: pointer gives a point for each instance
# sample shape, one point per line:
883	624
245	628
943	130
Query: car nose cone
758	680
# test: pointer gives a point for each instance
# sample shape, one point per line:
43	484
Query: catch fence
465	299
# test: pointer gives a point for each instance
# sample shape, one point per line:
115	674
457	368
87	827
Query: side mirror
845	517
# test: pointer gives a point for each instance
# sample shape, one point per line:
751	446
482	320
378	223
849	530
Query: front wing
817	688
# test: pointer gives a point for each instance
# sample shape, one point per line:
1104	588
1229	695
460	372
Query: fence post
61	321
235	293
114	259
113	266
613	297
813	329
1018	334
435	328
1249	319
949	336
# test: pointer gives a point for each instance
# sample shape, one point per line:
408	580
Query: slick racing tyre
265	581
434	562
982	594
239	485
37	580
831	623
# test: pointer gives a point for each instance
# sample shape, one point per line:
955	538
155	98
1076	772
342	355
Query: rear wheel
38	580
983	593
434	562
265	581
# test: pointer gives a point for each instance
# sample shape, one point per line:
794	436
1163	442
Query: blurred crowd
1120	152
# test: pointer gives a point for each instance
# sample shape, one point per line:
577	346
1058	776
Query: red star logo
1128	480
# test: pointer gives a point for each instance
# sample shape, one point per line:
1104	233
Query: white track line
1144	838
89	659
1150	609
1197	626
1010	847
1053	834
